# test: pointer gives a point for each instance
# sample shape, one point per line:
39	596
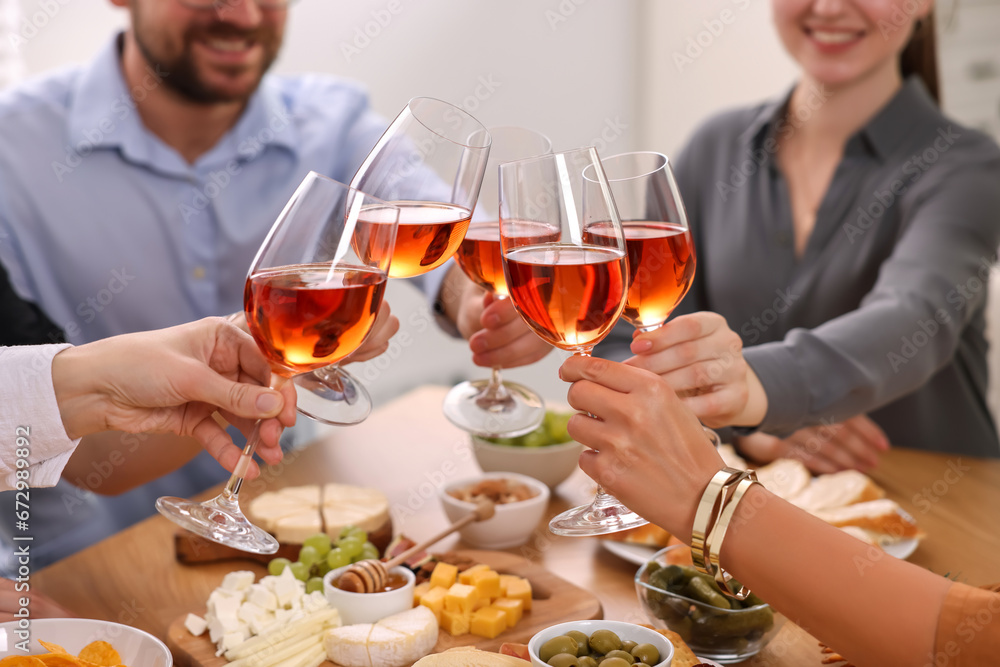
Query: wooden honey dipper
369	576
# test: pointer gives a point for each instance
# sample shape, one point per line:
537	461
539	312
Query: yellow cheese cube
466	577
487	583
444	575
488	622
513	608
419	591
454	622
434	600
480	603
520	590
460	598
505	579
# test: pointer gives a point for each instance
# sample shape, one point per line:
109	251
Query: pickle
700	590
740	625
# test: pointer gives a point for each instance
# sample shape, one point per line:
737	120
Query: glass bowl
724	635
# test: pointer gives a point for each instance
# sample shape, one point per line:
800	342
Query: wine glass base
598	518
332	396
218	520
520	411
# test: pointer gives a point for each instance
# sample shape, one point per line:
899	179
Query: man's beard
181	74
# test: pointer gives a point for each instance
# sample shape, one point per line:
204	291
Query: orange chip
100	653
21	661
53	648
60	660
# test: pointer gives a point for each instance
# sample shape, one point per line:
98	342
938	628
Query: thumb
241	399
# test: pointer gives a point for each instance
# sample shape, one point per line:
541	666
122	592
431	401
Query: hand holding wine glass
312	295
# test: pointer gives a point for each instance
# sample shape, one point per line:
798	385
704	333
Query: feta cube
238	581
314	602
262	623
195	624
262	596
230	641
249	611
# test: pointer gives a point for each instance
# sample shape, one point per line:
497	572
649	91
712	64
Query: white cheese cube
248	612
238	581
262	623
314	602
224	607
230	640
288	589
195	624
261	596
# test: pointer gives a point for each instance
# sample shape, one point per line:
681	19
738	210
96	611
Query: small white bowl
135	646
512	524
368	607
550	464
636	633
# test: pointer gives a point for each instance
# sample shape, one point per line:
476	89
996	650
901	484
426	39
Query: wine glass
493	407
311	298
661	258
571	290
430	164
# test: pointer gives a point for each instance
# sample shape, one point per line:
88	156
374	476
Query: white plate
135	646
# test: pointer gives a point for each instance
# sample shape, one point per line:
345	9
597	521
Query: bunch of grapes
319	555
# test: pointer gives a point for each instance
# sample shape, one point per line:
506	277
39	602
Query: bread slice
649	534
683	655
861	534
837	490
785	478
880	516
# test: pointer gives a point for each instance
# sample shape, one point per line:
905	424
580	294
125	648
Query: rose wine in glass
570	290
312	296
492	408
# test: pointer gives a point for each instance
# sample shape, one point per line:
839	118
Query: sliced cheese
344	505
267	508
348	645
298	527
394	641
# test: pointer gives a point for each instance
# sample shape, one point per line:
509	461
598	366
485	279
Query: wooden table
407	448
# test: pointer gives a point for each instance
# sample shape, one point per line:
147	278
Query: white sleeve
30	423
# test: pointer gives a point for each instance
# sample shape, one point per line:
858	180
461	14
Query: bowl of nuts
520	504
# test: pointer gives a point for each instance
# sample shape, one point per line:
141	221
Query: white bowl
512	524
636	633
550	464
137	648
368	607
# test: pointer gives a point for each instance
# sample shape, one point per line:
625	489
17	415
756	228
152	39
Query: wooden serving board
554	600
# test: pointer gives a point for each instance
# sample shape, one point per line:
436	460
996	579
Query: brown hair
920	55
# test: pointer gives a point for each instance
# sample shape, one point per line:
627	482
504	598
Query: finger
219	445
717	407
705	374
862	452
869	431
251	360
834	451
525	349
676	331
615	376
269	447
241	399
498	313
815	462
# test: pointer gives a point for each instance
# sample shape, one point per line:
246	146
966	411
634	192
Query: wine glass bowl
312	296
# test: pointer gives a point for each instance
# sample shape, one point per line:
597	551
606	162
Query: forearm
110	463
872	608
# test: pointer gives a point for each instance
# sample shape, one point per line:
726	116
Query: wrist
78	393
755	408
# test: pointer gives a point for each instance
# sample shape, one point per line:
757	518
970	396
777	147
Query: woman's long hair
920	56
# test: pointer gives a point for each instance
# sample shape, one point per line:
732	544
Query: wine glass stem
232	490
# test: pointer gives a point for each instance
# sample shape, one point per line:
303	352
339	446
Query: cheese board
554	600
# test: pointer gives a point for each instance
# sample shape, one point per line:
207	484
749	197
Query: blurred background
619	75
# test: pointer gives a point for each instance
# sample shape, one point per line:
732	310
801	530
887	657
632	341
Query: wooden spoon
369	576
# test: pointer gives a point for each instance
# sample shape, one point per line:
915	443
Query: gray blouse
883	314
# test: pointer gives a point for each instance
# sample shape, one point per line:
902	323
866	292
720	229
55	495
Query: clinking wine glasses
494	407
570	288
311	298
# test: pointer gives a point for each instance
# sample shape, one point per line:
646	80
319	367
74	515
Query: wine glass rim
544	137
549	156
375	200
466	114
665	163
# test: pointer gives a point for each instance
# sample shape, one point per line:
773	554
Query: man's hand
853	444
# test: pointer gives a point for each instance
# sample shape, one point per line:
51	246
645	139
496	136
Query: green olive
587	661
557	645
582	640
615	662
563	660
628	645
646	653
624	655
640	664
605	641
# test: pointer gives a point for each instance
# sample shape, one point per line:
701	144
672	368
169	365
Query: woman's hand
702	359
647	449
853	444
497	335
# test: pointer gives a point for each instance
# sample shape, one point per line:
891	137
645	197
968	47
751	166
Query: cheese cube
286	590
488	622
434	600
520	590
444	575
480	603
196	625
238	581
513	608
466	577
454	622
262	623
419	591
487	583
230	640
249	611
505	579
315	601
460	597
262	597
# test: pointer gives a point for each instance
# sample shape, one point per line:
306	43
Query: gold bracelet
718	535
708	511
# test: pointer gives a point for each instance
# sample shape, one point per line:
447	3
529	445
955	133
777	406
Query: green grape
369	551
315	584
277	566
320	542
337	558
353	531
320	569
556	426
351	546
300	571
308	556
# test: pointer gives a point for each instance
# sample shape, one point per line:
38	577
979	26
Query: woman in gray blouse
845	234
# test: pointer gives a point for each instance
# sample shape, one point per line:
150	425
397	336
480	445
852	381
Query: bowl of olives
676	596
605	643
548	453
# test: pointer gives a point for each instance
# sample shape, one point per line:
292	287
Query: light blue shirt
111	231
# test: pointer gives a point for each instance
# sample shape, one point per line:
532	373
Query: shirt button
198	273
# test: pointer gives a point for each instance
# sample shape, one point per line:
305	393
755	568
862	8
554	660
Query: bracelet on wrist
712	519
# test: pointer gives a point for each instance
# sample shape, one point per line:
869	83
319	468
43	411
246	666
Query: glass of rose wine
430	164
569	290
494	407
311	298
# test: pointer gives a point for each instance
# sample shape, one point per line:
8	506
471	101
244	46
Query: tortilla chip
100	653
60	660
21	661
53	648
